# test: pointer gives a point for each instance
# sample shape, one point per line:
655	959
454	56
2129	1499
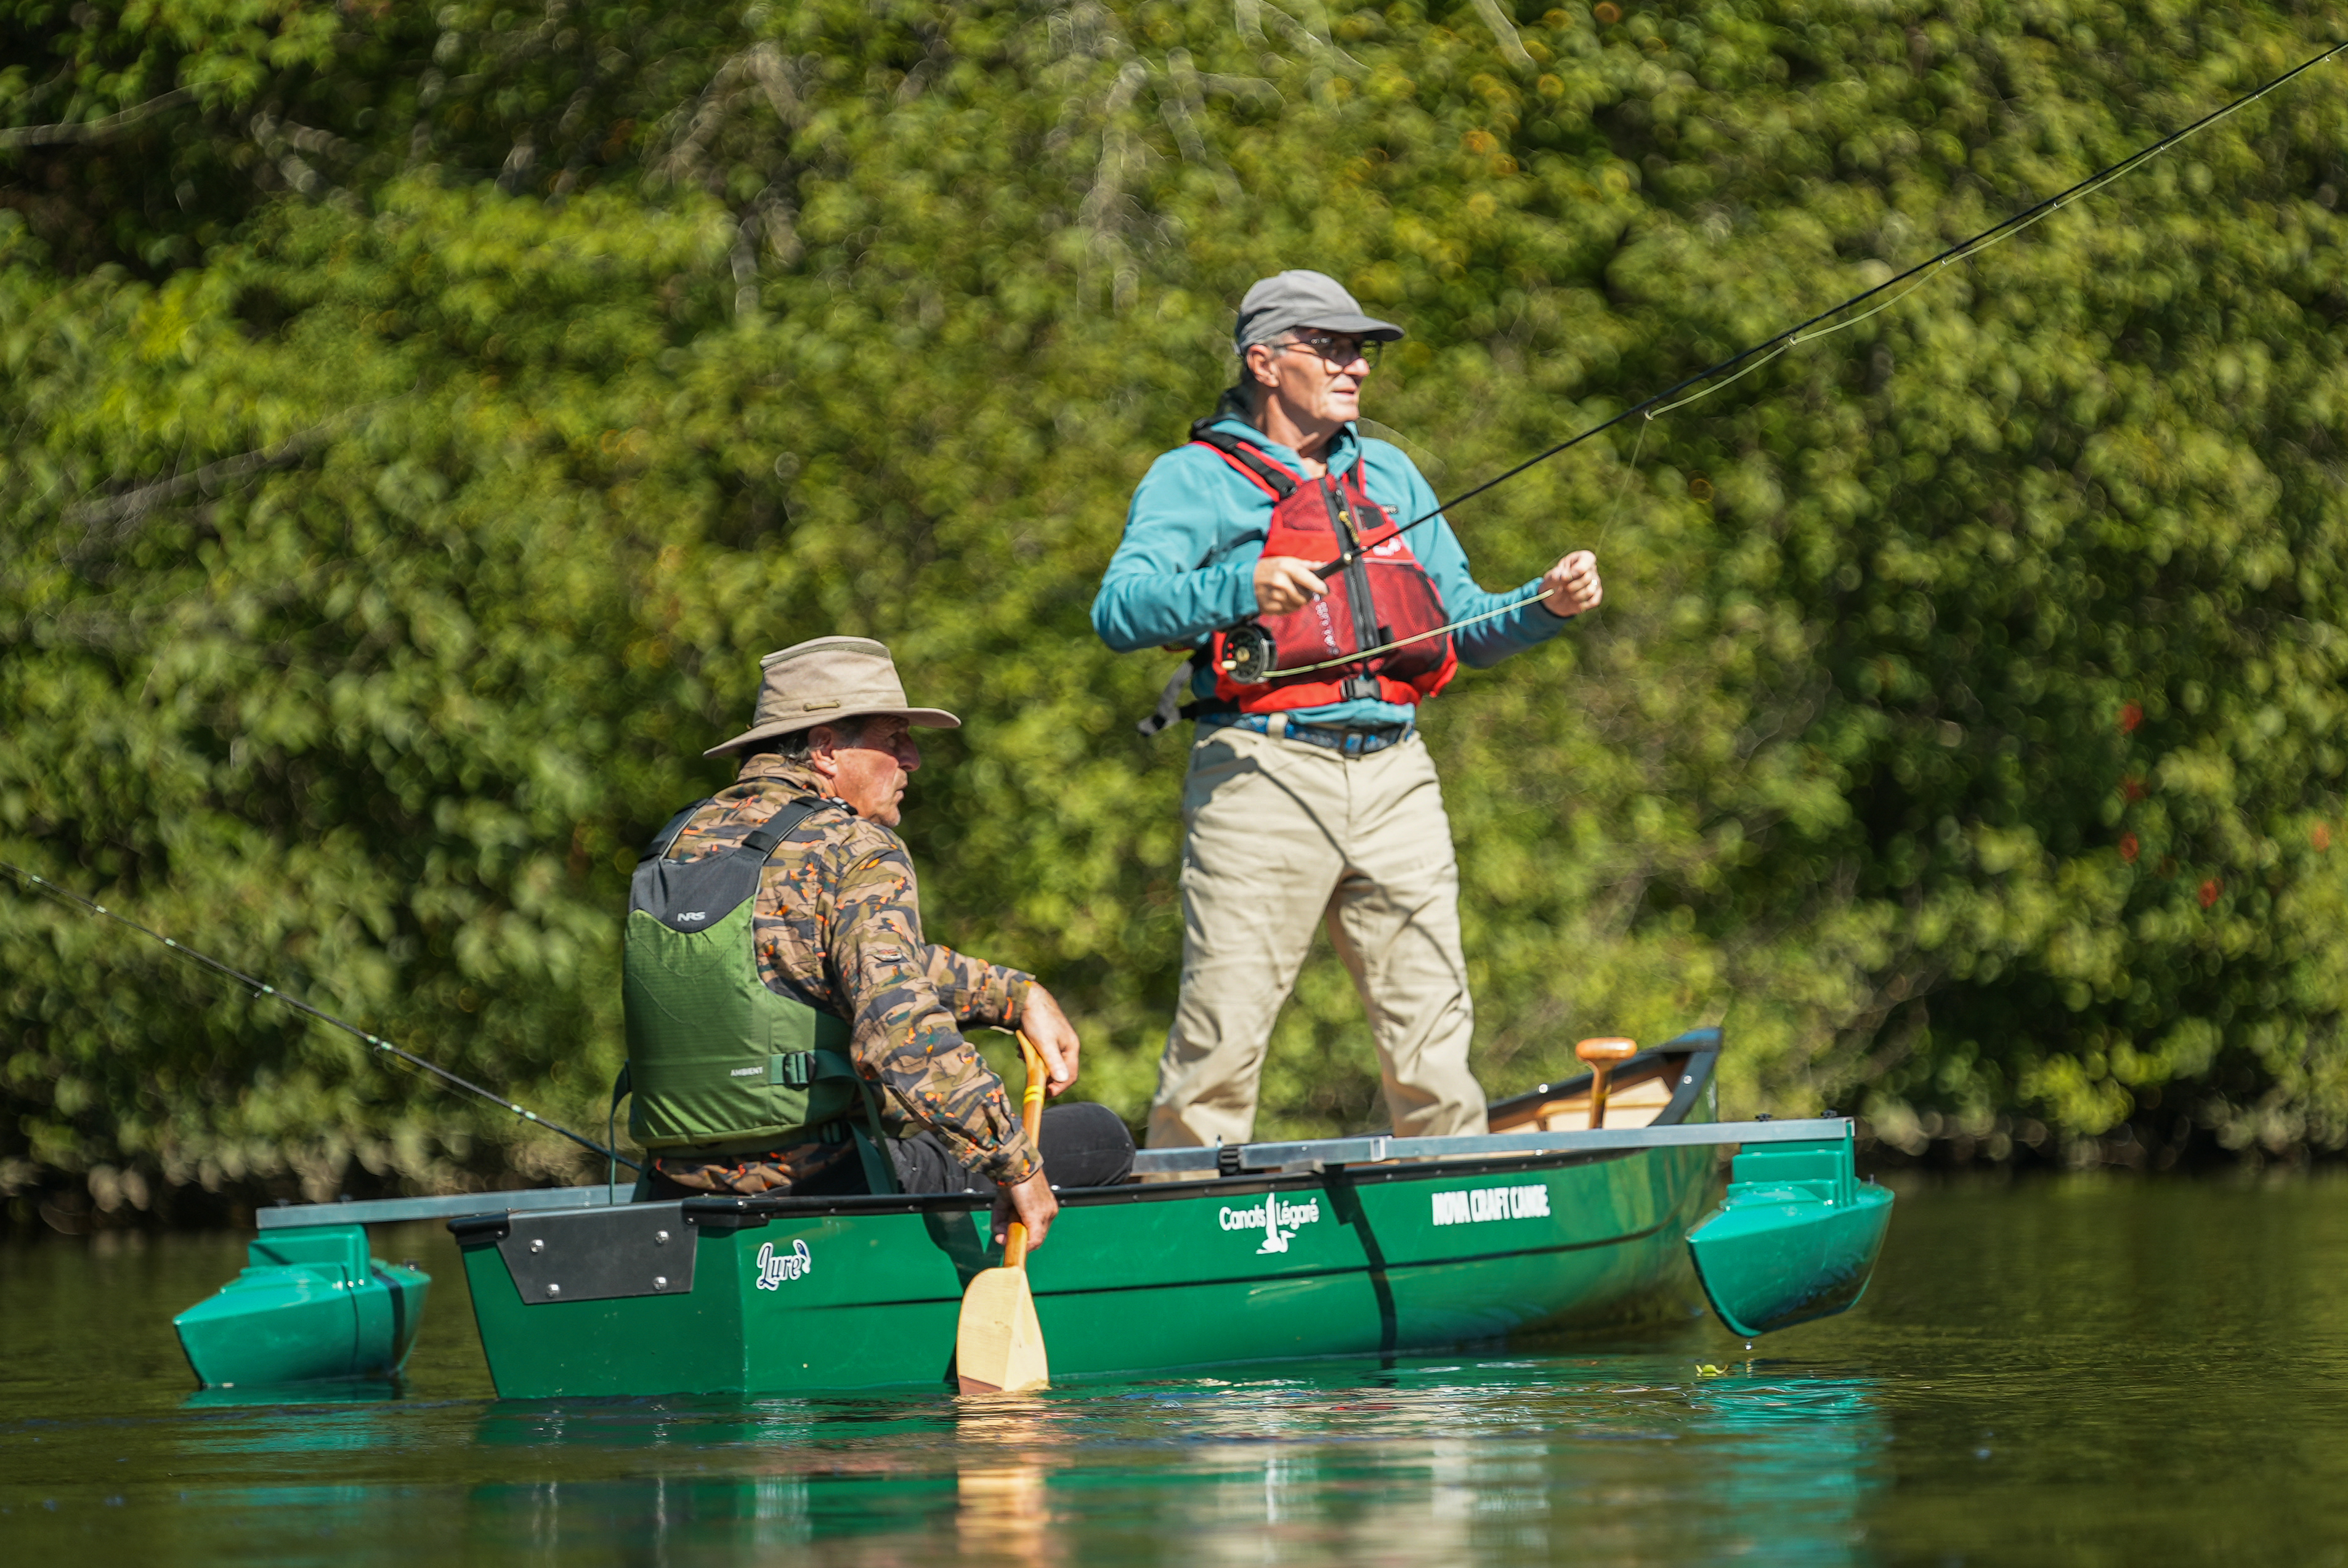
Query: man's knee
1085	1145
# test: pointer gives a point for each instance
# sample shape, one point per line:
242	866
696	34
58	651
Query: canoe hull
1136	1280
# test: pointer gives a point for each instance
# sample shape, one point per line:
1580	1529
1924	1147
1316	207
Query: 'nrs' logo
689	916
774	1267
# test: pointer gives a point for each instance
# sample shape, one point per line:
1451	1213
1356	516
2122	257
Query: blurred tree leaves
419	424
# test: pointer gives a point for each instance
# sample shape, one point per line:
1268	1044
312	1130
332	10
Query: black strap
620	1087
1170	706
872	1148
663	841
1279	480
761	840
1169	701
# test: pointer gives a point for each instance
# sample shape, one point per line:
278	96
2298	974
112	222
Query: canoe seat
1634	1099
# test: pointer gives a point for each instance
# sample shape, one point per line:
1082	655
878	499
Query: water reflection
1433	1462
354	1391
1627	1456
1002	1511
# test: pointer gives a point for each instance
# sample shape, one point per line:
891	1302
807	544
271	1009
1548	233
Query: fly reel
1247	655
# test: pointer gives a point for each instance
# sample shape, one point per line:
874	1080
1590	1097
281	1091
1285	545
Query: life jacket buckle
792	1069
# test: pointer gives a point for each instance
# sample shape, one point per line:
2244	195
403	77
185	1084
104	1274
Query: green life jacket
717	1060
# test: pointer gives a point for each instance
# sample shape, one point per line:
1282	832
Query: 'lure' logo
774	1267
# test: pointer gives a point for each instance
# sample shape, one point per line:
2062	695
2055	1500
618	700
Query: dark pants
1084	1146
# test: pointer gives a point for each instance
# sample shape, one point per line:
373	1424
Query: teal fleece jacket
1186	566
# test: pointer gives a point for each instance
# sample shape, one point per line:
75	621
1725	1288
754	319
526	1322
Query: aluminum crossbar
1327	1151
390	1210
1256	1157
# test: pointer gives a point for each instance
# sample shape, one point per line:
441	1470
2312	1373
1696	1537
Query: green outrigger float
1359	1246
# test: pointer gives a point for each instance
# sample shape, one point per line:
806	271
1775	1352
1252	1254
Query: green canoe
1269	1252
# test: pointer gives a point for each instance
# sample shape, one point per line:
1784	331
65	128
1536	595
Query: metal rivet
554	1290
660	1281
538	1246
660	1238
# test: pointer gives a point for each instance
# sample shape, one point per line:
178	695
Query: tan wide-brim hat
823	682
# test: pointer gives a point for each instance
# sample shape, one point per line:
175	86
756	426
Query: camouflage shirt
838	926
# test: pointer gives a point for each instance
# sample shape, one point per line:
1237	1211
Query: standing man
1310	796
789	1028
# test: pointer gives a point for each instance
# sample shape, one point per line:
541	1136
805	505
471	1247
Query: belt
1350	740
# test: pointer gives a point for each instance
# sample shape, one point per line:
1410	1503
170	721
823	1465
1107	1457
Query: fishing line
1923	272
1630	472
261	988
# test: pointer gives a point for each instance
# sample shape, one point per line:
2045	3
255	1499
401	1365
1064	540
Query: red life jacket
1382	595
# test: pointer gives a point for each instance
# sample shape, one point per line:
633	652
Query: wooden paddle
1602	1055
999	1348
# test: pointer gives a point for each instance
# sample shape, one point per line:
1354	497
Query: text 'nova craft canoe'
1373	1245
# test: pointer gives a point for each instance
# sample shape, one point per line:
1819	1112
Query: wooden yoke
1602	1055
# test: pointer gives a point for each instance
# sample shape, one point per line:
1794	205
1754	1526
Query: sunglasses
1336	350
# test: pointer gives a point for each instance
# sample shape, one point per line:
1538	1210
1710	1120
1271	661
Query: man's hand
1049	1029
1285	583
1032	1202
1573	585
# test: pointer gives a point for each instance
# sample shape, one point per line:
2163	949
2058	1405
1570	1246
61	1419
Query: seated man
805	1038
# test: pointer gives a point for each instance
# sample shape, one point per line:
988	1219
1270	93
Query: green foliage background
417	421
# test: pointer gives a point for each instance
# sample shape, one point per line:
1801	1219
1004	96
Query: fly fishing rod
261	988
1770	347
1248	648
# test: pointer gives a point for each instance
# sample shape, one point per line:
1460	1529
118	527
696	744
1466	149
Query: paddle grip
1031	1101
1031	1117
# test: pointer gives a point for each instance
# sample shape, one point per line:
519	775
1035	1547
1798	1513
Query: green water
2088	1370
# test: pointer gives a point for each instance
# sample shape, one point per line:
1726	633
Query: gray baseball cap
1301	298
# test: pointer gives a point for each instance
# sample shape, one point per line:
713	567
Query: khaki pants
1280	836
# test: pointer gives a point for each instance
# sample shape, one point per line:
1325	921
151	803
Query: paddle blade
999	1348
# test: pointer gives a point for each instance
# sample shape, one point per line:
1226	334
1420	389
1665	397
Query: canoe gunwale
742	1213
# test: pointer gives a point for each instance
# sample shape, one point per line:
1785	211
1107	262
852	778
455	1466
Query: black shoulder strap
663	839
761	840
1277	480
